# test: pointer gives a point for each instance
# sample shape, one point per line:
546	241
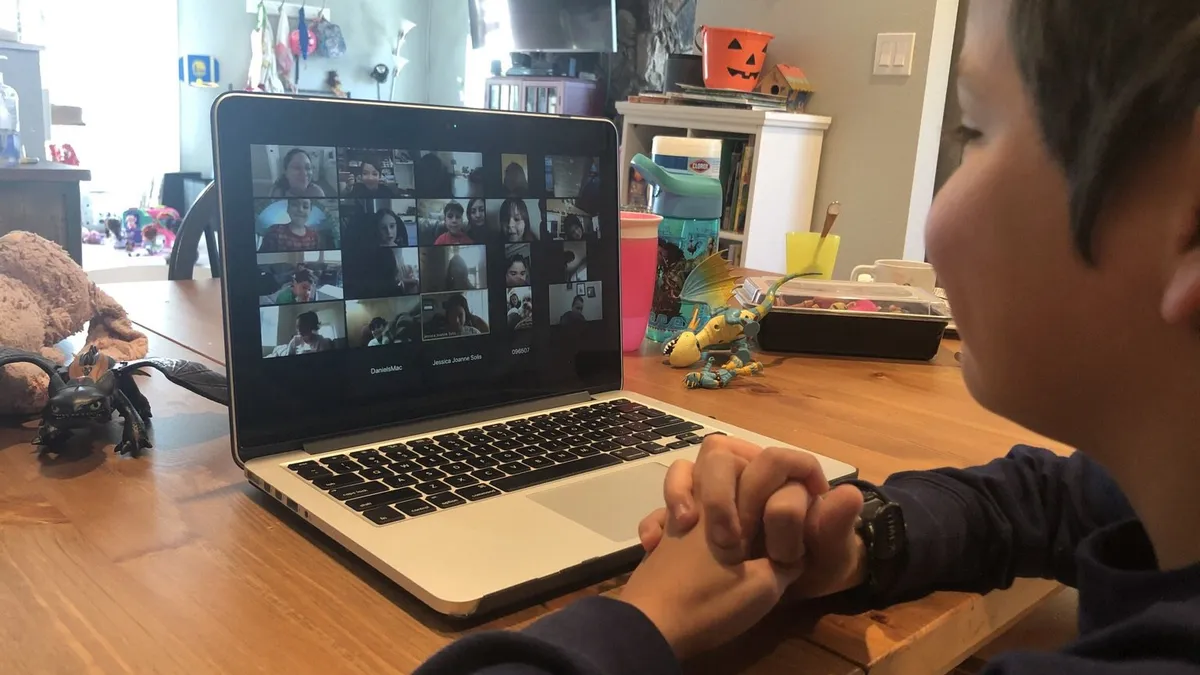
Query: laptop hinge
437	424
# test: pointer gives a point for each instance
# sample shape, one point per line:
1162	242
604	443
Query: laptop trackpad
611	505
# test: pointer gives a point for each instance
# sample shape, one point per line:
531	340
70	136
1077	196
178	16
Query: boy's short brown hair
1109	80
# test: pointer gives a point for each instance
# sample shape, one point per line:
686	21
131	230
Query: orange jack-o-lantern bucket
733	57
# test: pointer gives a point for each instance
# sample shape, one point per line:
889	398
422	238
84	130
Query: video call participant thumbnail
520	308
519	265
515	174
517	220
576	304
283	172
383	321
450	174
477	223
293	330
453	268
567	222
367	174
443	222
452	315
393	221
286	278
575	178
297	224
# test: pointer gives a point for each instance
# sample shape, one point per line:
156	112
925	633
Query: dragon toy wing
9	355
190	375
710	283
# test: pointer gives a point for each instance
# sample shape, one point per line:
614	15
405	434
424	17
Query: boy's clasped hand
742	528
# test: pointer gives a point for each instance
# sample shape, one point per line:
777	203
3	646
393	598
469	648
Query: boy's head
453	213
1069	238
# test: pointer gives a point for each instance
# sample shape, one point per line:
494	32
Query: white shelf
783	177
292	9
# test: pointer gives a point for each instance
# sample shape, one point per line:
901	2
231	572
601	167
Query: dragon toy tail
769	301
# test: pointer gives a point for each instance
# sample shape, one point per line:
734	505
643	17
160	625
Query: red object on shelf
733	57
294	42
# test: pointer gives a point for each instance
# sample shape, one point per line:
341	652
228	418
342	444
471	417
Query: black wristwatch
881	526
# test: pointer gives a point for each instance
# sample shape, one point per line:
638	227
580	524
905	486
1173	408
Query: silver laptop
422	315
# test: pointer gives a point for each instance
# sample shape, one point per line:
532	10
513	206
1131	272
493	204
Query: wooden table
173	563
44	198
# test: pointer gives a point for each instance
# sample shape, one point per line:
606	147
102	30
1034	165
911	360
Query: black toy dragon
96	385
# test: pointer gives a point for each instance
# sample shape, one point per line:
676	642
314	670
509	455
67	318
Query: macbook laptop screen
387	263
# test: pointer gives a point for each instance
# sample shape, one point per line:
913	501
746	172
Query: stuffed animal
46	297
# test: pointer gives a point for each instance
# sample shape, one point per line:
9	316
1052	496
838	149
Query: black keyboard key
637	427
313	472
569	430
488	474
456	444
532	451
694	440
460	481
651	412
508	444
377	473
455	468
652	448
603	435
501	435
630	454
392	447
605	446
538	462
359	454
446	437
647	436
678	428
340	480
372	461
561	456
433	487
559	414
428	474
421	442
585	451
310	464
382	499
400	455
506	456
675	445
359	490
402	481
333	459
538	418
432	461
481	462
629	407
618	401
633	417
477	492
429	450
416	507
445	500
514	468
480	449
404	467
553	445
494	427
383	515
346	466
457	455
663	421
627	441
555	472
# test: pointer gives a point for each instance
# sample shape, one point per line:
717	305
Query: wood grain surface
172	563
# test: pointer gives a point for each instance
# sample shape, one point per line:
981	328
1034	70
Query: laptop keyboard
403	480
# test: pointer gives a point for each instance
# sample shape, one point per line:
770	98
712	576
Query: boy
456	229
1069	243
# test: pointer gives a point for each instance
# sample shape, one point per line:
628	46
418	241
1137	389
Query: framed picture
579	290
591	292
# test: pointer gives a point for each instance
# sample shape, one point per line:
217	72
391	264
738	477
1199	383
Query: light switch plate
894	53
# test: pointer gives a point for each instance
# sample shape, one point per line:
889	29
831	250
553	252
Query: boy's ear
1181	300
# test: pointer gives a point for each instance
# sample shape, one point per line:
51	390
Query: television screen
563	25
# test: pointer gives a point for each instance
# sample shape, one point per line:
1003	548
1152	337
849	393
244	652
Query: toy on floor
711	283
96	385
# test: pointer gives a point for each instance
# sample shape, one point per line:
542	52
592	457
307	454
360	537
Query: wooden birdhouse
789	81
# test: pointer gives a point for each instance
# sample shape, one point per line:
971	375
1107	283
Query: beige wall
869	152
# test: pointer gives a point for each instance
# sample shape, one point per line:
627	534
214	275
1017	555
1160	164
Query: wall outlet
894	53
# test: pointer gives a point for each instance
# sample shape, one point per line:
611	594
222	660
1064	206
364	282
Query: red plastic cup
639	260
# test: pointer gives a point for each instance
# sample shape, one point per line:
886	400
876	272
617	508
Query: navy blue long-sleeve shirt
1029	514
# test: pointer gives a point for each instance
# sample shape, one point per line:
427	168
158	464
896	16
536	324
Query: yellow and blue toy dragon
729	330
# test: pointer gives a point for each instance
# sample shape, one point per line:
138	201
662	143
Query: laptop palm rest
611	505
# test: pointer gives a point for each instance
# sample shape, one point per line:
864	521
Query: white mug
903	272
